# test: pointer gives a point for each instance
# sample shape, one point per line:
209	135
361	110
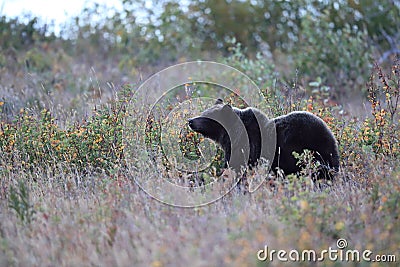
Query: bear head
213	122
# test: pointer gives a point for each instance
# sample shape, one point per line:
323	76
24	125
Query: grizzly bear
249	134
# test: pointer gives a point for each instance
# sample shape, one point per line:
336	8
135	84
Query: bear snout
196	124
192	123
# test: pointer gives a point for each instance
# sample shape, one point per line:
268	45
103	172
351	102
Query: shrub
340	56
17	34
36	141
381	131
38	61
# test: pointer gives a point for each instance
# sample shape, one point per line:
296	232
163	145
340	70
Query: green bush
16	34
31	142
341	57
261	69
38	61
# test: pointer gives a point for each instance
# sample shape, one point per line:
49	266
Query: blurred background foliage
333	41
65	93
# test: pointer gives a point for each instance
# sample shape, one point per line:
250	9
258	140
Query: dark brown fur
295	131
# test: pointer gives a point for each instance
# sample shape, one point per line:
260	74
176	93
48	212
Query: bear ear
219	101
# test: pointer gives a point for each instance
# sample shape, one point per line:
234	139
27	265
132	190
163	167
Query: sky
58	11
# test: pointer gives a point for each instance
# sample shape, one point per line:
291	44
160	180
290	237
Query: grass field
68	200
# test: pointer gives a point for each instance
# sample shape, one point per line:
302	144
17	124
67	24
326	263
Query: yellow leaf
303	204
339	226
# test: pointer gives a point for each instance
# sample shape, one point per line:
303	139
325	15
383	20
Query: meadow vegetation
65	195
